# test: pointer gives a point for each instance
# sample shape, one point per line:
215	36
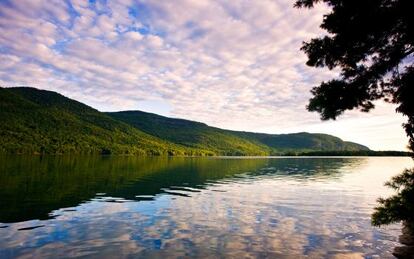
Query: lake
105	207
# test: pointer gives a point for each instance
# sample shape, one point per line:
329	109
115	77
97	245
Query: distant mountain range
36	121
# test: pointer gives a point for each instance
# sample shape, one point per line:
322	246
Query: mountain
39	121
199	135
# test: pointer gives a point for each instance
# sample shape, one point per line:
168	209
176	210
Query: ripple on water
313	207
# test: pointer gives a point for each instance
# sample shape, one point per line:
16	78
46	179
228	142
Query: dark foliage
372	43
355	153
400	206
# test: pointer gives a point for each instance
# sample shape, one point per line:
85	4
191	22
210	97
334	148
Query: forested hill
39	121
199	135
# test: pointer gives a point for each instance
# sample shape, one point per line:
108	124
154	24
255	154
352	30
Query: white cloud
232	64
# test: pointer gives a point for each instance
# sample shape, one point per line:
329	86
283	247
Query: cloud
230	64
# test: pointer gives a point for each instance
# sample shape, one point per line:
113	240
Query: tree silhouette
372	43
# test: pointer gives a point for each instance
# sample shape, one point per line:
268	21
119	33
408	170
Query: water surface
105	207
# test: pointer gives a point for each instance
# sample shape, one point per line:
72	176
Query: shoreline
212	156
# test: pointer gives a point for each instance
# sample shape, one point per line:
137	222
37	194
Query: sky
230	64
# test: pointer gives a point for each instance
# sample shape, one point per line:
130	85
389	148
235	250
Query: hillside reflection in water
196	207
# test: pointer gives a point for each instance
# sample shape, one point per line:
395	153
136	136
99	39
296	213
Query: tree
397	207
372	43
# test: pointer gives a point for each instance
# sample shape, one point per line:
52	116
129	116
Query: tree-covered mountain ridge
37	121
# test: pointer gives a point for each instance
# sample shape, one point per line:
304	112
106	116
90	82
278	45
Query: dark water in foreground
106	207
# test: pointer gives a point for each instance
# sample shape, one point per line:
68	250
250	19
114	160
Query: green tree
400	206
372	43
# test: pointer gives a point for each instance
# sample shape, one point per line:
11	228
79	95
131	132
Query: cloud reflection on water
266	212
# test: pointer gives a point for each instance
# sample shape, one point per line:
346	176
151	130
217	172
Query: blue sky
230	64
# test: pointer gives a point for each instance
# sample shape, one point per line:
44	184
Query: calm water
105	207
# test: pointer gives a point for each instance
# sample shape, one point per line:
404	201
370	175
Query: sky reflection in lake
194	207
